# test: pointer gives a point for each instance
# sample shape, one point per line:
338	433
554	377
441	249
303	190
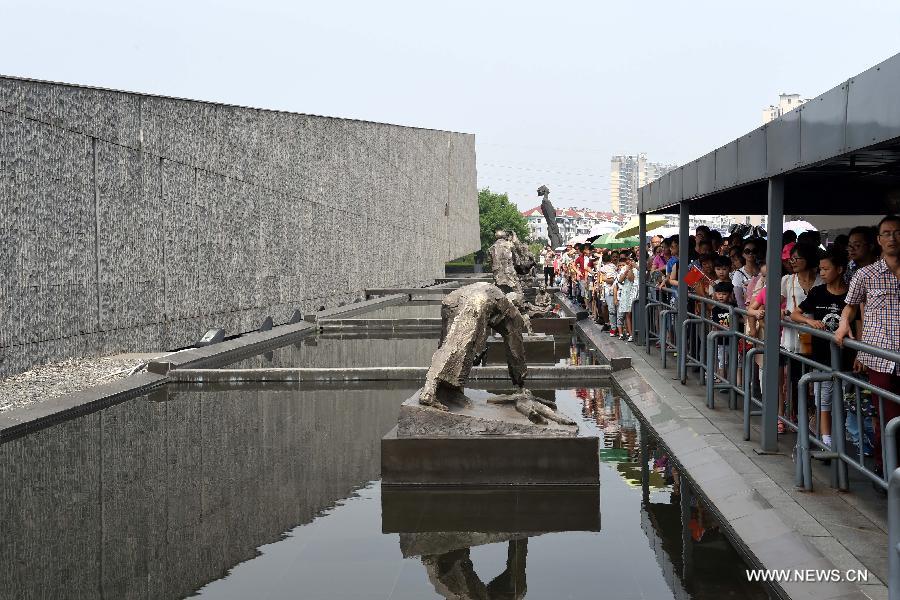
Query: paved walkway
782	526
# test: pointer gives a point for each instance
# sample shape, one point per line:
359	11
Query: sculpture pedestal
484	444
539	348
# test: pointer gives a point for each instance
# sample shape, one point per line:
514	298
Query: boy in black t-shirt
723	291
825	303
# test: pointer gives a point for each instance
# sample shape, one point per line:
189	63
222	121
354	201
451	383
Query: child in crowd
722	269
723	292
821	309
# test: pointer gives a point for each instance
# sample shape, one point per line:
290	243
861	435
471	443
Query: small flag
693	276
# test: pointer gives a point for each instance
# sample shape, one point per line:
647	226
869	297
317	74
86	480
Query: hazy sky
550	89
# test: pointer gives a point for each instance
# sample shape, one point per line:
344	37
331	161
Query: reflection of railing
703	344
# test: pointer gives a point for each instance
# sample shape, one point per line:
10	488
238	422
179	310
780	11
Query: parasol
611	241
633	225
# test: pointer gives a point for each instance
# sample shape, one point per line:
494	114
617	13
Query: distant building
786	103
627	175
571	221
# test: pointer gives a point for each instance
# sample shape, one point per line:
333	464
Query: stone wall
134	222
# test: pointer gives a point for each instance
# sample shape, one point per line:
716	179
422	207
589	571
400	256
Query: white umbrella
799	227
603	227
578	239
665	232
633	225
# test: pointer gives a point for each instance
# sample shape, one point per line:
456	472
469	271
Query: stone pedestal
539	348
484	444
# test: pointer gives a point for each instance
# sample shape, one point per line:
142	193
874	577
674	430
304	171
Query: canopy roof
839	154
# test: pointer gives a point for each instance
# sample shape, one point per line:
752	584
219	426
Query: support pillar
771	370
641	316
684	233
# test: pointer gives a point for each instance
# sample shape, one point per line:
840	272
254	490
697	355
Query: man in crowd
862	249
877	288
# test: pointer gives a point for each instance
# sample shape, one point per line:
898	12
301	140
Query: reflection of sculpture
549	217
453	575
466	315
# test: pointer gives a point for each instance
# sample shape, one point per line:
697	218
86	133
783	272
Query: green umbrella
609	241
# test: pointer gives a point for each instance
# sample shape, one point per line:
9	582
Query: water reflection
273	492
153	498
453	574
341	349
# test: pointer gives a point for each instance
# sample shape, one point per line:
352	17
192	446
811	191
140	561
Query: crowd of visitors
848	286
604	282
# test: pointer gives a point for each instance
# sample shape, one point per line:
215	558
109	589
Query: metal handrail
893	490
817	371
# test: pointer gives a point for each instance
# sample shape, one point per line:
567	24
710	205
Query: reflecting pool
274	493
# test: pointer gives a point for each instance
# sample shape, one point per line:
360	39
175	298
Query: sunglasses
749	251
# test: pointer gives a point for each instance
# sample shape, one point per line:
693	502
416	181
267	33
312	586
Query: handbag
804	339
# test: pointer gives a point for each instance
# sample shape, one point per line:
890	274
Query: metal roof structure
839	153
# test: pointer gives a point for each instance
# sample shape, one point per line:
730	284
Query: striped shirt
879	289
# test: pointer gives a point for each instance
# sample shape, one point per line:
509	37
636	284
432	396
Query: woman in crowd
627	282
795	287
750	255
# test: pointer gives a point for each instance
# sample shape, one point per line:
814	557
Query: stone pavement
778	524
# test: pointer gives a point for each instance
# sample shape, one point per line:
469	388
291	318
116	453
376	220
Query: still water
274	493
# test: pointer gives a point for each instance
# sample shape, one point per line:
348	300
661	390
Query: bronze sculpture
467	314
549	216
503	263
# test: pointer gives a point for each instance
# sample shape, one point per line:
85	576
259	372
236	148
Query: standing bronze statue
467	315
550	217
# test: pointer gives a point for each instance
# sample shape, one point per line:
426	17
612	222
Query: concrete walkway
779	525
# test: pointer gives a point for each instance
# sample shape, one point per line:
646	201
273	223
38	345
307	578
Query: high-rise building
786	103
627	175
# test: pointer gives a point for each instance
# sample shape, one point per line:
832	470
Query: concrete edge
233	349
752	522
27	419
558	374
356	307
598	342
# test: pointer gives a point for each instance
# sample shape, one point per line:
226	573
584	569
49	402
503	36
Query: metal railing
705	345
890	443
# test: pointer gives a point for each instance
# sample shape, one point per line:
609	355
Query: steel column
769	425
640	318
683	262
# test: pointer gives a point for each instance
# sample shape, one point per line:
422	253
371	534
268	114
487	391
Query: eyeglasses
795	258
885	235
749	251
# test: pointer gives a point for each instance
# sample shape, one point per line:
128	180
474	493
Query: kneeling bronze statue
467	315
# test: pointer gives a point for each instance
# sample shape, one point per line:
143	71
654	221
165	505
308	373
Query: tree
495	211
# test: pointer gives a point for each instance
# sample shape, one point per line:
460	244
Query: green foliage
495	211
463	261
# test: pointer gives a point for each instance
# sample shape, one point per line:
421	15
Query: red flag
693	276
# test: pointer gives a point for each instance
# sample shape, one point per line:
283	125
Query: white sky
551	89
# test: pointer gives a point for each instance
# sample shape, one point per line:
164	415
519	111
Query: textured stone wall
154	498
134	222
